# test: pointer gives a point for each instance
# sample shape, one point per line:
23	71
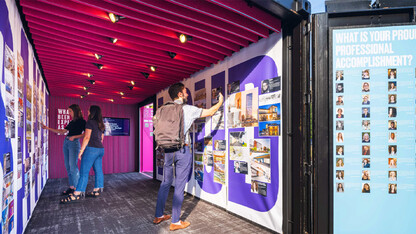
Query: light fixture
97	56
130	87
82	96
85	87
99	66
145	74
88	93
90	75
113	40
171	54
184	38
132	82
115	18
152	68
91	81
111	100
121	93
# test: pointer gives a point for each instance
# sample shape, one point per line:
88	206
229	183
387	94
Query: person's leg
66	161
86	163
165	185
183	159
98	169
74	147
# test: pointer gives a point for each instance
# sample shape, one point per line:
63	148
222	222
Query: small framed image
392	112
365	112
340	162
392	188
366	188
340	187
340	175
340	137
366	87
392	137
366	150
340	88
392	125
340	113
392	98
366	162
365	175
392	73
365	74
392	150
392	175
366	99
340	100
339	125
339	150
365	137
392	86
366	125
339	75
392	162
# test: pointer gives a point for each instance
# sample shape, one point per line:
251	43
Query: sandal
72	198
95	193
69	191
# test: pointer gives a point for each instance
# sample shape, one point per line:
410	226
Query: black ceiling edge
29	37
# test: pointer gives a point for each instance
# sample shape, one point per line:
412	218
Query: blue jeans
183	165
92	157
71	151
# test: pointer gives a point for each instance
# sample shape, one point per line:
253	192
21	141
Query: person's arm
72	138
87	136
59	131
102	137
211	111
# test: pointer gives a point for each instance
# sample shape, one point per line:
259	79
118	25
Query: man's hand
220	98
80	155
43	126
71	138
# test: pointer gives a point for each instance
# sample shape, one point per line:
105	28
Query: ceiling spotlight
132	82
115	18
99	66
97	56
85	87
90	75
113	40
91	81
82	96
145	74
88	93
184	38
130	87
111	100
152	68
121	93
171	54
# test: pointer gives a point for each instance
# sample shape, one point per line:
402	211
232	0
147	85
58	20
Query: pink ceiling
67	34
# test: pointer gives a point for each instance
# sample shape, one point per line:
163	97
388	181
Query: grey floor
127	206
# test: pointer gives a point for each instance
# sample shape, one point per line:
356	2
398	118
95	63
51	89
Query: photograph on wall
215	95
198	157
259	187
269	112
249	113
260	167
241	167
20	119
28	92
20	66
12	127
7	131
233	87
7	167
199	145
7	190
219	166
208	145
28	132
200	99
9	105
9	83
199	171
239	146
259	146
270	85
27	164
208	160
269	128
220	145
234	111
9	59
27	183
218	119
19	164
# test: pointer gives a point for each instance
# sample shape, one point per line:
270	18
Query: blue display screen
116	126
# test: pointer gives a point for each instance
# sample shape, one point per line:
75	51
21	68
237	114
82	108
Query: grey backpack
168	124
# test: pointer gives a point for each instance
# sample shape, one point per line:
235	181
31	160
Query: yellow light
82	96
113	17
115	40
90	75
182	38
121	93
153	68
85	88
111	100
97	56
88	93
132	82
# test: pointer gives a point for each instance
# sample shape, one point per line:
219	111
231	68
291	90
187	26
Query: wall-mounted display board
374	126
23	106
238	152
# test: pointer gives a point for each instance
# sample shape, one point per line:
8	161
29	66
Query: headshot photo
340	137
340	174
366	87
392	188
366	124
339	88
340	187
340	113
392	137
392	98
340	100
392	175
392	125
392	162
392	112
366	162
392	73
365	112
365	175
265	86
392	150
366	149
366	188
339	162
366	100
339	150
339	125
339	75
365	74
366	137
392	86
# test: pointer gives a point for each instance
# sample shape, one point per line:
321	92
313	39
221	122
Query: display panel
116	126
373	112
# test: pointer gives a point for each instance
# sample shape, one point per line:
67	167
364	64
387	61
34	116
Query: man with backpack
168	119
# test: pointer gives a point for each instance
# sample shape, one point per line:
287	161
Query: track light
90	75
130	87
82	96
97	56
111	100
88	93
115	18
121	93
145	74
132	82
85	87
113	40
91	81
99	66
171	54
152	68
184	38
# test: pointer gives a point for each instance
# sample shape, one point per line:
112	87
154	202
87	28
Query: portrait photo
366	124
365	74
340	175
340	137
392	175
392	86
392	149
340	187
339	125
339	88
392	188
366	162
366	150
366	100
391	112
339	150
339	75
392	125
392	137
340	100
339	162
392	73
340	113
365	175
366	188
392	162
365	137
366	87
392	98
365	112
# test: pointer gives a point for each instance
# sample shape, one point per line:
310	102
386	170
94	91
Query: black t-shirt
75	127
95	139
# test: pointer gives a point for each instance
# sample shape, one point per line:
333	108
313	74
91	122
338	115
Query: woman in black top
91	155
75	130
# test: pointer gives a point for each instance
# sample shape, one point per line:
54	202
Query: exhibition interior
318	117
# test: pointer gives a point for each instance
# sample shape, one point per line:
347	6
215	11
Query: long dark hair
95	114
77	111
